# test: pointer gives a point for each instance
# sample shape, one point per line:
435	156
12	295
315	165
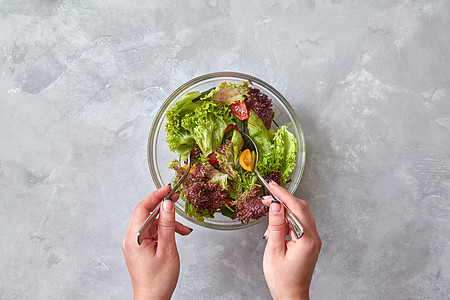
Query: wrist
141	296
304	297
297	295
151	295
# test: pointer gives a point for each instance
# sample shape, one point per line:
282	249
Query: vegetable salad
223	179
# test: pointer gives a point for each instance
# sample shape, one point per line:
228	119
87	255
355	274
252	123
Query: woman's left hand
154	266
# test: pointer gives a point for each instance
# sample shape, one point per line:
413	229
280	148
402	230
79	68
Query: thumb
166	224
277	229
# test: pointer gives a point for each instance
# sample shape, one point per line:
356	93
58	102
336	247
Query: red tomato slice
213	159
240	110
229	127
228	202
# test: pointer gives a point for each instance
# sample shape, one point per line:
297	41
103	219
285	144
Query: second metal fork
195	151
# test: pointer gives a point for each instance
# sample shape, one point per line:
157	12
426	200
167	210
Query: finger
155	197
266	200
143	208
266	233
175	197
276	245
266	236
182	229
297	206
179	228
166	225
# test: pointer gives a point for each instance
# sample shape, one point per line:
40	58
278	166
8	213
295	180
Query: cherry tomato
240	110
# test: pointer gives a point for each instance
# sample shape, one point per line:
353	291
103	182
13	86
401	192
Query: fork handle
148	222
294	223
151	218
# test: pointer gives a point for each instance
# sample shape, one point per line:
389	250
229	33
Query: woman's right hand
289	265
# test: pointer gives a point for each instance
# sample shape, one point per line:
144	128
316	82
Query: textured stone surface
80	84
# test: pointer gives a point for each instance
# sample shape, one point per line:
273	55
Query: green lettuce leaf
227	93
227	212
237	142
215	176
192	212
277	150
178	138
263	141
206	124
285	148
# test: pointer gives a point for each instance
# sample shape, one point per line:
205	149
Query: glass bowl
159	154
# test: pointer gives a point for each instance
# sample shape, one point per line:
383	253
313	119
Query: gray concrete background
80	84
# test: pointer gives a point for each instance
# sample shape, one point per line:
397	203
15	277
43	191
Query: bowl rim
237	75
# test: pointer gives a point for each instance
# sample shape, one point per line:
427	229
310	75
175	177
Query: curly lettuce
250	206
191	122
227	93
207	123
225	159
202	190
276	150
180	139
284	150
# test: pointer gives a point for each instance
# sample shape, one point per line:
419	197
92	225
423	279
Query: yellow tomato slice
245	160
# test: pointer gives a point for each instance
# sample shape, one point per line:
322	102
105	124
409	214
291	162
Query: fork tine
196	150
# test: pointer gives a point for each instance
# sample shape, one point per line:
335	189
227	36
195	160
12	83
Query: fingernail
262	197
265	235
177	192
191	229
275	206
167	204
170	184
266	197
269	180
275	183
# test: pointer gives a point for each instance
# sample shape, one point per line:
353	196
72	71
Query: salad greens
228	93
207	124
223	179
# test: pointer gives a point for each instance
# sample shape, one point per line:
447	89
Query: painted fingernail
275	206
266	197
191	229
167	204
265	235
269	180
170	184
177	192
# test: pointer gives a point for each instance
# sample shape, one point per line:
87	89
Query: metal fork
294	223
194	153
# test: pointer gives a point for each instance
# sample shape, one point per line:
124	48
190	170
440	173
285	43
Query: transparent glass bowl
159	154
